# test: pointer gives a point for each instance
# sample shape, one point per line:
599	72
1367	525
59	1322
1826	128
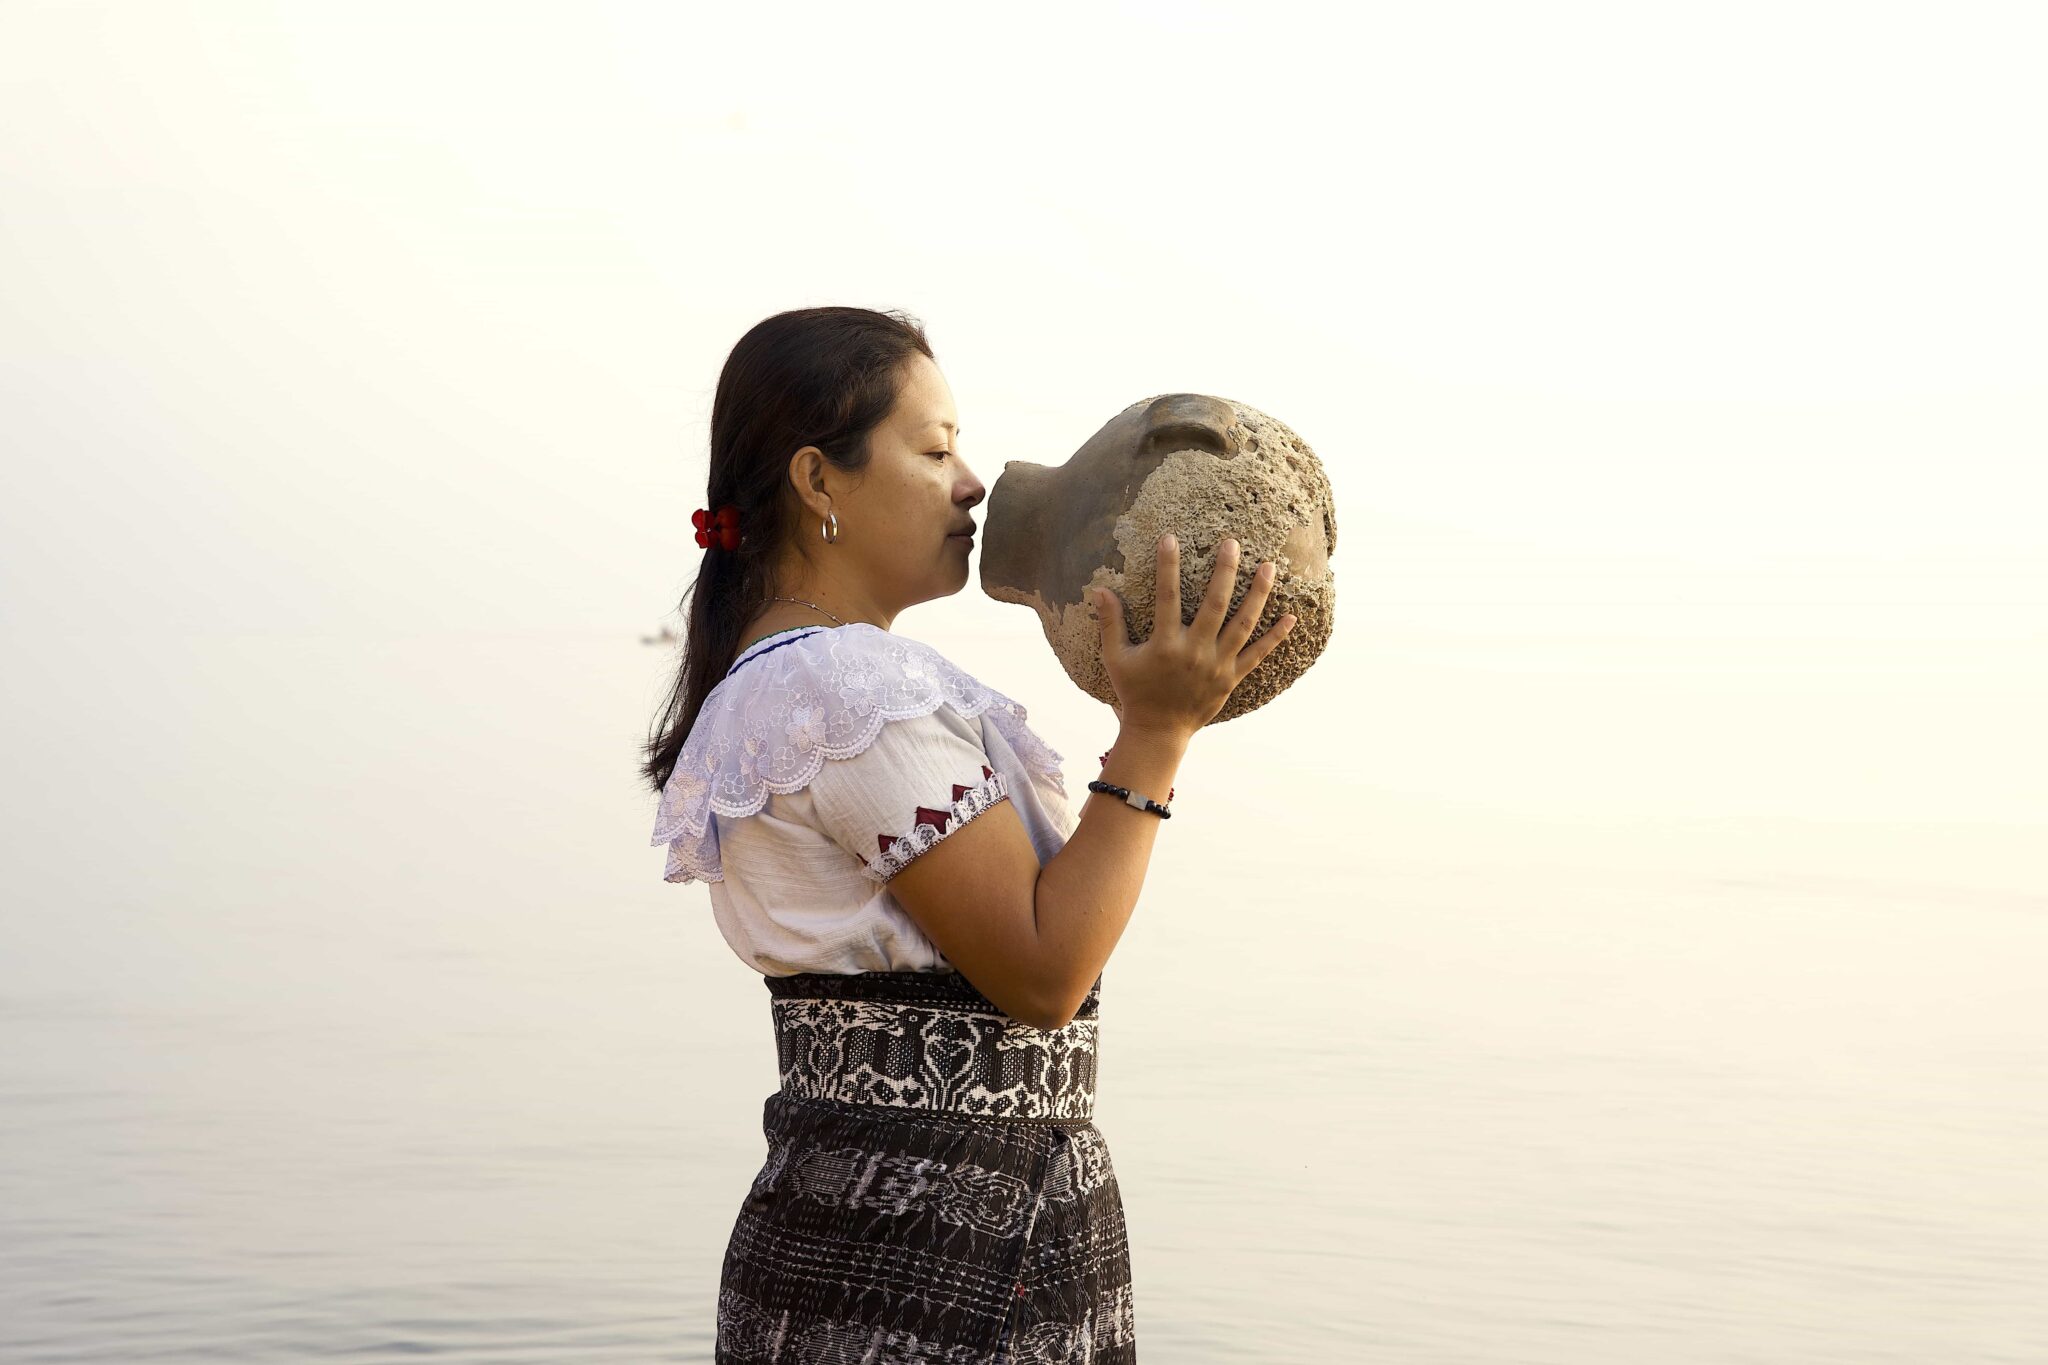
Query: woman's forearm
1087	891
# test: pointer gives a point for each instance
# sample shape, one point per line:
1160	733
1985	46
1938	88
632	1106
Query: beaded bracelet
1104	761
1132	798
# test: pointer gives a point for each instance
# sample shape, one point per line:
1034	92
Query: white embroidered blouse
824	762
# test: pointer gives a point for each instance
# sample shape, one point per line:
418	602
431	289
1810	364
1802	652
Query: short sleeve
919	781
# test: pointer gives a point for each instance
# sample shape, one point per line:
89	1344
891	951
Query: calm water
347	1018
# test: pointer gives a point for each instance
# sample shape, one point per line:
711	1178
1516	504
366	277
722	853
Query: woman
889	844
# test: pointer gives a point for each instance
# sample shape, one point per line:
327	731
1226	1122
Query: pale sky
1669	357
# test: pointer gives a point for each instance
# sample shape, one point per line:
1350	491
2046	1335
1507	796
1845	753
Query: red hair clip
722	530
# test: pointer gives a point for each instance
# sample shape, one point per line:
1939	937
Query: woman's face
897	522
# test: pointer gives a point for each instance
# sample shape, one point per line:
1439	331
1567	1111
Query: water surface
348	1018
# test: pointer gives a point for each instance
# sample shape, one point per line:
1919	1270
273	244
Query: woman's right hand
1183	674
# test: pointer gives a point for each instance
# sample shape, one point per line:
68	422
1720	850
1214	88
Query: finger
1216	600
1109	616
1166	587
1250	607
1253	654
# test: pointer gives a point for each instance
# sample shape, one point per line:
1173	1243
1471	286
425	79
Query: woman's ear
807	477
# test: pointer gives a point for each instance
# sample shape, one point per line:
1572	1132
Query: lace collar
790	702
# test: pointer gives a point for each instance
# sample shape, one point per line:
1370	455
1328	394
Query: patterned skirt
935	1192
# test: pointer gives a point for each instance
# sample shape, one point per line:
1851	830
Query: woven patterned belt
928	1040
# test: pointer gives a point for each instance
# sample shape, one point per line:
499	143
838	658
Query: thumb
1109	613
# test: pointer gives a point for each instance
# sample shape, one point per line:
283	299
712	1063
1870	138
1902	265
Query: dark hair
824	377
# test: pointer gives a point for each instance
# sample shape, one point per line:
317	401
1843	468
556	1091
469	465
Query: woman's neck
771	634
779	617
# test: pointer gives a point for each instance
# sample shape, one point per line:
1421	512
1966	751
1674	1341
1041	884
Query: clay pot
1205	469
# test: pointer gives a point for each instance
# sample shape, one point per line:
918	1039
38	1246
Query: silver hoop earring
831	536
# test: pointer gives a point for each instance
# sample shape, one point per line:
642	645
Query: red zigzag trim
938	819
